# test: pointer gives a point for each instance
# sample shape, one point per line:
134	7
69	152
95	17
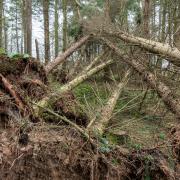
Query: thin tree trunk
146	22
56	28
150	45
27	24
163	90
76	8
97	59
75	82
62	57
37	49
64	3
1	23
17	34
46	30
106	113
5	29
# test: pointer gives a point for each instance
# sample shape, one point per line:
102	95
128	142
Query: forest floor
146	127
45	147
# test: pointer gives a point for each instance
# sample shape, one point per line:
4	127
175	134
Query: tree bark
146	19
27	24
64	3
155	47
56	28
107	111
62	57
46	30
37	49
165	93
1	23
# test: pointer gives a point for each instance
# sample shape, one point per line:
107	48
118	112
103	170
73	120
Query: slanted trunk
150	45
168	97
107	111
98	58
62	57
75	82
83	77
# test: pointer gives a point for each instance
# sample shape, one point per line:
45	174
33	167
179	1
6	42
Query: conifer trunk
106	113
169	98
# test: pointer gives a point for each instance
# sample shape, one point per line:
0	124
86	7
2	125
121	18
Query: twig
82	131
15	161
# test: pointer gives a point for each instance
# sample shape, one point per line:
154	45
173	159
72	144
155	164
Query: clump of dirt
20	79
25	74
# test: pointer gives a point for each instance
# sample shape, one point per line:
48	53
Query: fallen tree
96	59
106	113
72	84
163	49
62	57
168	97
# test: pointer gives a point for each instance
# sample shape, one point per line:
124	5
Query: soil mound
20	79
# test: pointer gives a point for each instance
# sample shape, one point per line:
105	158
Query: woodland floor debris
46	150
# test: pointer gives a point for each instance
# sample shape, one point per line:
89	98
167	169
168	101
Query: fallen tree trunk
96	59
44	102
107	111
163	90
153	46
83	77
62	57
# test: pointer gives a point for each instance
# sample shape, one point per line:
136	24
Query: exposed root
9	87
151	163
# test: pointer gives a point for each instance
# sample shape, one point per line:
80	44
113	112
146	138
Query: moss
2	52
117	140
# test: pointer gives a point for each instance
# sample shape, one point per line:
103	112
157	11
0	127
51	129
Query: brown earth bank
40	148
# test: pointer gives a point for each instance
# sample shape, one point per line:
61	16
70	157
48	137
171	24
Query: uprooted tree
46	132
